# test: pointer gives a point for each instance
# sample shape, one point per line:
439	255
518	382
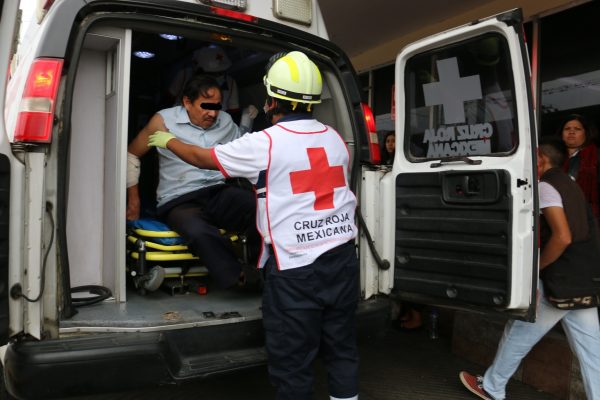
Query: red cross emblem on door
321	178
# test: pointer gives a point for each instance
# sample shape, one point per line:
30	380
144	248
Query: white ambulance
451	223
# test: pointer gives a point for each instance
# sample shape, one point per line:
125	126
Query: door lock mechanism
521	182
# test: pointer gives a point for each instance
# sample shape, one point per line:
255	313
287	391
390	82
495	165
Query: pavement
409	365
397	365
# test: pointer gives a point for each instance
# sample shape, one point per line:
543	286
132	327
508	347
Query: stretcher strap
166	234
156	234
158	246
174	247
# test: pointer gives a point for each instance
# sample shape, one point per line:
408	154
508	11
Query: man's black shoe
251	279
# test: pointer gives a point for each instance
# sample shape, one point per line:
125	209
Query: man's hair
553	148
199	85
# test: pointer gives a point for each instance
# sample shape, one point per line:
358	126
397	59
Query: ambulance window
459	101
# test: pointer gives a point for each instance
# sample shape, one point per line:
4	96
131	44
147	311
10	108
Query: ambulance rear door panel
461	215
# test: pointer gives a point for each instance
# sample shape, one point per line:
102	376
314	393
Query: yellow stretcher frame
166	253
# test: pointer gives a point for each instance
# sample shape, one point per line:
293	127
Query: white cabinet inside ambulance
459	205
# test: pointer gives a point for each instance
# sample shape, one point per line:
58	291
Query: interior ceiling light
143	54
168	36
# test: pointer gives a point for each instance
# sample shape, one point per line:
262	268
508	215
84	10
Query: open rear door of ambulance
461	199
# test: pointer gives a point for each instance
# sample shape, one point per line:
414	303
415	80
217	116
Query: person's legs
292	322
206	242
233	208
583	332
411	317
517	340
338	274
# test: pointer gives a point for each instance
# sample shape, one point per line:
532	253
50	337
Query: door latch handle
472	186
521	182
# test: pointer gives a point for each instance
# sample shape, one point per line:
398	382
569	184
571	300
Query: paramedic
196	202
306	216
564	222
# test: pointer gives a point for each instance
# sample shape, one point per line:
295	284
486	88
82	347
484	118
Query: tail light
372	139
233	14
46	4
36	110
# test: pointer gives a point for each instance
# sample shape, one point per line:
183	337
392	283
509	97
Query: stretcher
158	257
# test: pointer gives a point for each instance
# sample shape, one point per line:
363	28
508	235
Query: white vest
309	205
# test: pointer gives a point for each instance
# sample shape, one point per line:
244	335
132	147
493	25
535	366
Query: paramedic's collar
183	118
294	117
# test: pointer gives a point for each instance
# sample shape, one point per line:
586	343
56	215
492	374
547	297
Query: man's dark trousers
198	216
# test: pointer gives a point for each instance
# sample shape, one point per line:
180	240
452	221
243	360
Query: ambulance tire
4	395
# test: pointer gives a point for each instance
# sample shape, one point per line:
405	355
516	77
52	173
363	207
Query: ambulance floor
162	308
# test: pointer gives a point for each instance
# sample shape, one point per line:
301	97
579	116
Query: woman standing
582	164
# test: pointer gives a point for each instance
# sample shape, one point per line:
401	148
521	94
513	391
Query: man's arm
560	238
138	147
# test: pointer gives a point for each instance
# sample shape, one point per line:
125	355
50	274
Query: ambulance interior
122	77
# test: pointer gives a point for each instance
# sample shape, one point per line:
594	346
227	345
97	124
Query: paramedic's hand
160	139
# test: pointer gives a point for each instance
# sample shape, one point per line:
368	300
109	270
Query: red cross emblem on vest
321	178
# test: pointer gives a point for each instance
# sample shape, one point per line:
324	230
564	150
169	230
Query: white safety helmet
294	77
211	59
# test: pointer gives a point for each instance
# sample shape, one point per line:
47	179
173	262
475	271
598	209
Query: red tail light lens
47	4
233	14
372	139
36	110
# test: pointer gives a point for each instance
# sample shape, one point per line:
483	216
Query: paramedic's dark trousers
197	217
309	311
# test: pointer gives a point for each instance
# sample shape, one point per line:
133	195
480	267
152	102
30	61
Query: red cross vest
309	205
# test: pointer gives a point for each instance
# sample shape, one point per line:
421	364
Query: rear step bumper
122	361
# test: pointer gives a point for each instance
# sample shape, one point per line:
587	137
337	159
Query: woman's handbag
573	281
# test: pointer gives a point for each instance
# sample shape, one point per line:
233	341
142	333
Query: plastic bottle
433	323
